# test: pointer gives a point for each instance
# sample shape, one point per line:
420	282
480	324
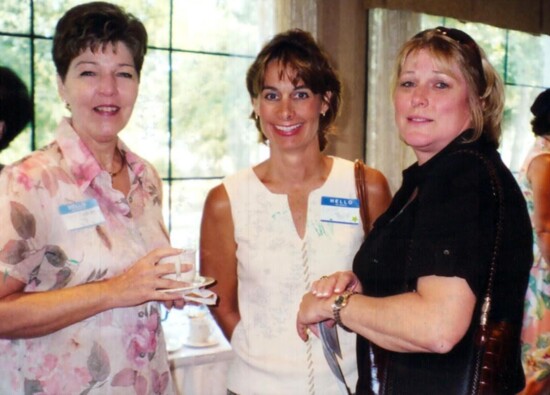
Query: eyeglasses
464	39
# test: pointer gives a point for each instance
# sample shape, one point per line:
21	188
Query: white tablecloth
196	370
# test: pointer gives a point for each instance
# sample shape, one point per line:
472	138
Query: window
191	118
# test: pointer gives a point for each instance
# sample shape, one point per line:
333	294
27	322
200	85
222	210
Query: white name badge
340	210
82	214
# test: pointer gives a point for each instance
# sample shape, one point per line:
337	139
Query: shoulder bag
361	186
494	341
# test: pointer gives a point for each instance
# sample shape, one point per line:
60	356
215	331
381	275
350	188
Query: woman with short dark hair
82	231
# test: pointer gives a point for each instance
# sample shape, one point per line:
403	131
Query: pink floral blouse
52	238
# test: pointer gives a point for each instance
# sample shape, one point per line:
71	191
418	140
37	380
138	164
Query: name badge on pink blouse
82	214
340	210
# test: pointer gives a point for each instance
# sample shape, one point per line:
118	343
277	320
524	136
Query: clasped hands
316	305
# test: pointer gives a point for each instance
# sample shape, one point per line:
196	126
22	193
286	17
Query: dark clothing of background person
447	230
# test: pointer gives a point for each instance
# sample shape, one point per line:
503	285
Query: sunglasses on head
468	42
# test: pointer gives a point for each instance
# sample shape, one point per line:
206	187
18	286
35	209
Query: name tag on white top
340	210
82	214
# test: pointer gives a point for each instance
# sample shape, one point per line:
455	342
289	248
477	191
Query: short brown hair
94	25
297	50
485	87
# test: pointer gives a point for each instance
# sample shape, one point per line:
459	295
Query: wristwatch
339	303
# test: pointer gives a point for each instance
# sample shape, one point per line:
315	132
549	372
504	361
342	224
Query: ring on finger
323	277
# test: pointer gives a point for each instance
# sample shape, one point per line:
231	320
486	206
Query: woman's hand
143	281
316	306
336	283
312	311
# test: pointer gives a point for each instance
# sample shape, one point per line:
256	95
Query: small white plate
172	346
209	343
200	282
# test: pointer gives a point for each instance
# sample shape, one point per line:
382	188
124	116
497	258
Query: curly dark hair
16	107
297	50
94	25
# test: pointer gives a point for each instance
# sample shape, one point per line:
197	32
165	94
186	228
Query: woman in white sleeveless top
270	230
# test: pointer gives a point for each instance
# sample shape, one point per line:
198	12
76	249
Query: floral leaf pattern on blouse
103	236
23	221
62	278
55	256
98	365
33	277
141	385
153	192
124	378
33	387
14	251
96	275
160	382
49	182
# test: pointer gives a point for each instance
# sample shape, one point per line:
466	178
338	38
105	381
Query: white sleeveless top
275	268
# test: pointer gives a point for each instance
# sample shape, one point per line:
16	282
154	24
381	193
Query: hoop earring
68	106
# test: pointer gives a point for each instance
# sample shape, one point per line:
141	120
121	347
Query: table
196	371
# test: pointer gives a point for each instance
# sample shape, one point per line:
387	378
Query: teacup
187	256
199	329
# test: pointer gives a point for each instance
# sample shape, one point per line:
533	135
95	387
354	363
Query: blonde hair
485	87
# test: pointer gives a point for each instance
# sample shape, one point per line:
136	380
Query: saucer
172	346
200	282
209	343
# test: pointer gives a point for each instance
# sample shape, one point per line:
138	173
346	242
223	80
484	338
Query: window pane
47	13
17	56
187	204
147	132
528	59
155	15
48	108
16	15
221	26
212	132
517	136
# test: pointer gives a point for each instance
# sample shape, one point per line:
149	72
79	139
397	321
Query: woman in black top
422	273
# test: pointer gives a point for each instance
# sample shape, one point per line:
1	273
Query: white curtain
388	30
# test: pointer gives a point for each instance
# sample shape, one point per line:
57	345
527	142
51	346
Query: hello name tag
340	210
82	214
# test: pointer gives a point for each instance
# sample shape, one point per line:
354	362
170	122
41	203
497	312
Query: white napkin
200	295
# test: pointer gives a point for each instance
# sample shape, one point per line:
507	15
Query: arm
378	191
218	257
539	177
33	314
433	319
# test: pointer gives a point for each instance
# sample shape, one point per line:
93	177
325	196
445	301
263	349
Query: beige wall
342	31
